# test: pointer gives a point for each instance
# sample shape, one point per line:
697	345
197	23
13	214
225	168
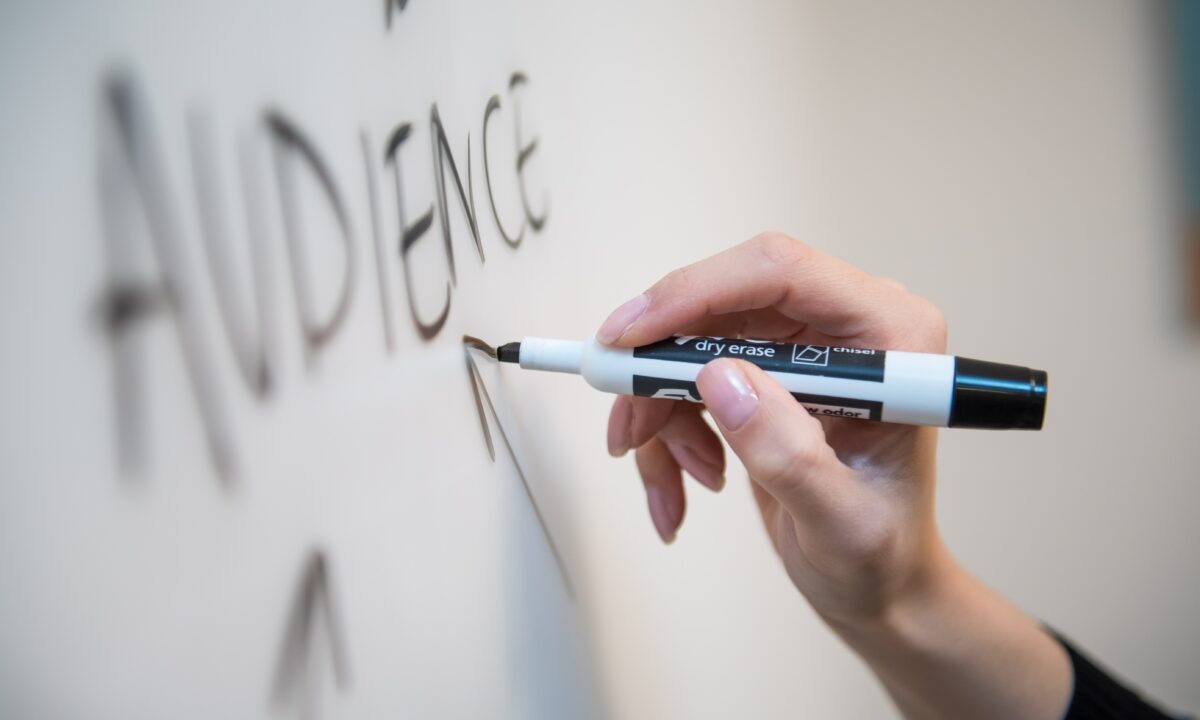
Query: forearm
951	648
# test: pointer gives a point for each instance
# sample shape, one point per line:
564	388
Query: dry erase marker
885	385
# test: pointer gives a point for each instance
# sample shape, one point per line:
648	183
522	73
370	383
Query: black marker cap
997	396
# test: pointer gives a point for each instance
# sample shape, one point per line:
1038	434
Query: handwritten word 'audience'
145	248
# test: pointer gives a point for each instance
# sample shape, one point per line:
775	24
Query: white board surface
178	539
247	469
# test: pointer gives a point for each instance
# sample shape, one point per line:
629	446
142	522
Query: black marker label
839	362
818	405
826	406
664	388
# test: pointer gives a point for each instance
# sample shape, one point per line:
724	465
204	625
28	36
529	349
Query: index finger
773	270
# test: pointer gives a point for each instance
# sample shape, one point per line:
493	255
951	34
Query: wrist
946	646
916	609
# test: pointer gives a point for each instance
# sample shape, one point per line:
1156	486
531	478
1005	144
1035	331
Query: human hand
847	504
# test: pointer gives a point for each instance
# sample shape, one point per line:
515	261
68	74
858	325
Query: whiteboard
251	467
182	535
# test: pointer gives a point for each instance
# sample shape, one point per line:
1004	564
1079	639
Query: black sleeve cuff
1097	696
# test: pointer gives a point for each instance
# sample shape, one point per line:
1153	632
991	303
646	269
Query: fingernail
622	319
619	450
709	475
728	394
660	513
621	424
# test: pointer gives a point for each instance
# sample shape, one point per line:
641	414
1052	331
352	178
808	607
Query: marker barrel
888	386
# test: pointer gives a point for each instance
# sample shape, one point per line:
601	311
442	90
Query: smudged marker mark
466	198
295	682
480	393
493	105
525	151
410	234
390	7
249	341
385	307
140	218
474	342
293	150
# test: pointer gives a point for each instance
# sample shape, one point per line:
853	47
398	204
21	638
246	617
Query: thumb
781	445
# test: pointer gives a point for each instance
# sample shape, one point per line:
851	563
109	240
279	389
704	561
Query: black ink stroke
385	303
290	142
477	344
249	353
493	105
482	398
391	7
442	153
295	686
524	153
131	175
140	220
409	235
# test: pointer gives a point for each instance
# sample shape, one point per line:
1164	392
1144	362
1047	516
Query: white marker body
917	388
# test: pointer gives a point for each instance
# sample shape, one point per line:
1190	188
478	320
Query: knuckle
678	280
870	544
648	463
790	466
920	324
649	417
779	249
933	321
